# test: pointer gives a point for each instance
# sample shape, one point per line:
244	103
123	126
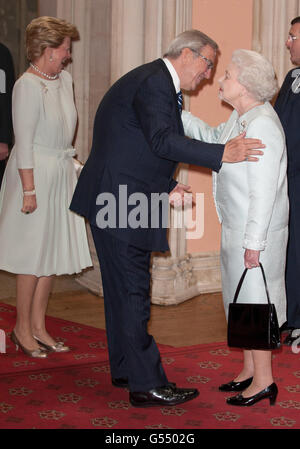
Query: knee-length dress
252	204
52	240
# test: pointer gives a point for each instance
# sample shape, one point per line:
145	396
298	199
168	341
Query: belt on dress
60	153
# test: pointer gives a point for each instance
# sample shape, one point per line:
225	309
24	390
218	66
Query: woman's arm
198	129
262	180
25	117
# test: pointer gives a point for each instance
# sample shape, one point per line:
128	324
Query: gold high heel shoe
58	347
38	353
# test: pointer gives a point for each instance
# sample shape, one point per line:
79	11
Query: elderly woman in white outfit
252	204
39	236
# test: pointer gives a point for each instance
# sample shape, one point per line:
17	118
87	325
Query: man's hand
3	151
251	258
240	149
181	194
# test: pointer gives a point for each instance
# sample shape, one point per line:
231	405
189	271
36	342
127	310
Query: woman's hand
29	204
251	258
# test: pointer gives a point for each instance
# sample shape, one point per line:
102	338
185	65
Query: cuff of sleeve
258	245
172	185
27	167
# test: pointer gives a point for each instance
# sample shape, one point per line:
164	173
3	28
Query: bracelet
28	192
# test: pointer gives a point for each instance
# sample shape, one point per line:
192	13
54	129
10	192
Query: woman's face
60	55
230	89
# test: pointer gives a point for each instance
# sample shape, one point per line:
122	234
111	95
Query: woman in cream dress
252	205
39	236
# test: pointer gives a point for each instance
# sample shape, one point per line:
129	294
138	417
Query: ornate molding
175	280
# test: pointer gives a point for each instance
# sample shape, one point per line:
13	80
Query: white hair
256	74
195	40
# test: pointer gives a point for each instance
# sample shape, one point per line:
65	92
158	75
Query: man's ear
187	55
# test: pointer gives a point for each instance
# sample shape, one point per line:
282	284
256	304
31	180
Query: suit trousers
292	277
133	353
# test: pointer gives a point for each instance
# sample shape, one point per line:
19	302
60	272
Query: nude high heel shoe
38	353
58	347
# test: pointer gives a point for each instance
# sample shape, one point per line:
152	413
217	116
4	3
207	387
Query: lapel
173	92
286	93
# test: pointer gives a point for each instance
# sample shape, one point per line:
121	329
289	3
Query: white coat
252	205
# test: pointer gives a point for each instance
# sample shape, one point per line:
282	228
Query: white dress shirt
173	73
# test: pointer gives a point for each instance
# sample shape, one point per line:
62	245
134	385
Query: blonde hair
44	32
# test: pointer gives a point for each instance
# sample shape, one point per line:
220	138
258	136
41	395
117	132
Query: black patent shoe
270	392
236	386
162	396
120	382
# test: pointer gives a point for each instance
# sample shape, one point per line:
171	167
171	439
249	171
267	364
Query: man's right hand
241	149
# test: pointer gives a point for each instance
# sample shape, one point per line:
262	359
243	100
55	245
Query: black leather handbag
253	326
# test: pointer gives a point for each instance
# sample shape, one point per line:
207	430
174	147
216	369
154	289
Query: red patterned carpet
73	391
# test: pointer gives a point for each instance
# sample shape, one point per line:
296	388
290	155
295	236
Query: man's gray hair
256	73
195	40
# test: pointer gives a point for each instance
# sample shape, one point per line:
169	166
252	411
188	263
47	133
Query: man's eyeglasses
210	64
292	38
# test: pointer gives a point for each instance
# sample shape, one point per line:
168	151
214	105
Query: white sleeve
25	110
262	181
197	129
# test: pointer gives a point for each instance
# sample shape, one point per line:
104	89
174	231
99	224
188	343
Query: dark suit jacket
138	141
287	107
6	64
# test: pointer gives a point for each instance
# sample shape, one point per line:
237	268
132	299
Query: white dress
252	205
52	240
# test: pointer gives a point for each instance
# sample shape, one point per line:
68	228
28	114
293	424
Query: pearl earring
51	59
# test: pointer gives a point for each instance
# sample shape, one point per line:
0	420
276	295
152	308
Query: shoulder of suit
4	50
292	73
158	69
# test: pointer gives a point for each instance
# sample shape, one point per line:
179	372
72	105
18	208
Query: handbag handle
242	280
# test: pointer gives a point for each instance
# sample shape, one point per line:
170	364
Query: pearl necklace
42	73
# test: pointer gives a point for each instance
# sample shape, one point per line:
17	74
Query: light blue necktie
180	101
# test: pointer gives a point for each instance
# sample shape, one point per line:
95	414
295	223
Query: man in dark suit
287	107
138	141
7	79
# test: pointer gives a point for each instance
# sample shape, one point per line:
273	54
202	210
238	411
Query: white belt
61	154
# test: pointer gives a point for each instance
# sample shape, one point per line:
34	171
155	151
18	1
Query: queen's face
230	89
